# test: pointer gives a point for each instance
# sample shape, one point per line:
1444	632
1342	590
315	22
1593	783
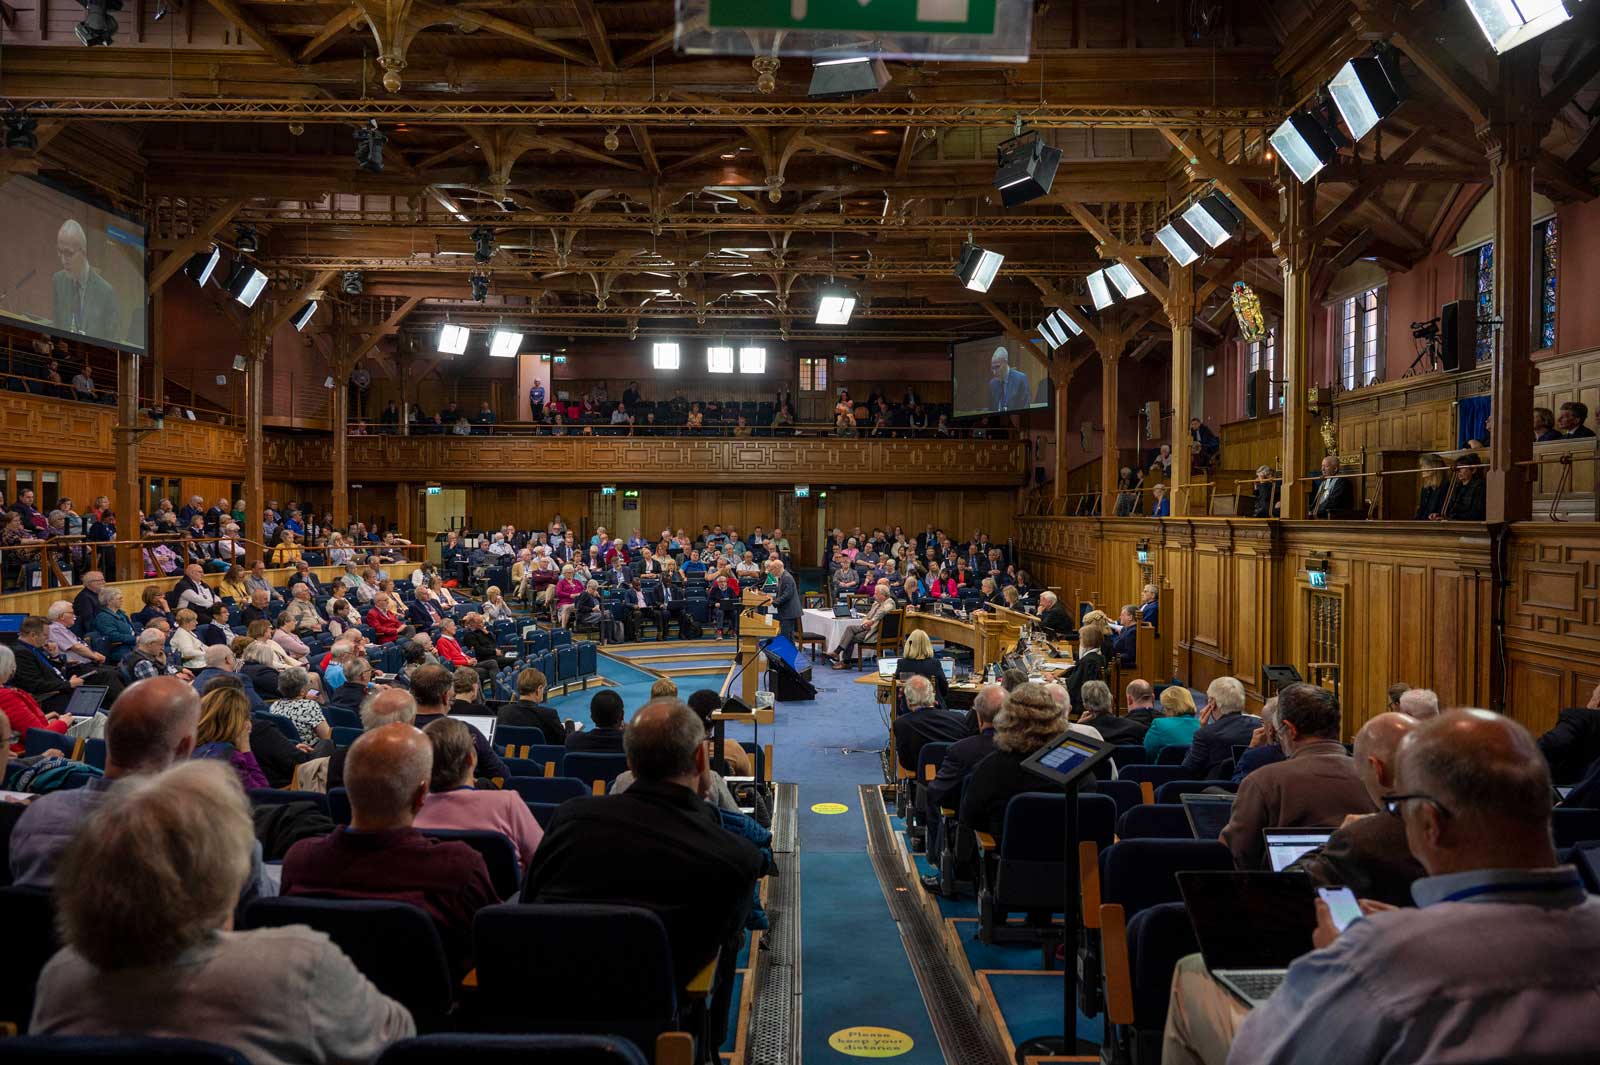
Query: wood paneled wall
1414	602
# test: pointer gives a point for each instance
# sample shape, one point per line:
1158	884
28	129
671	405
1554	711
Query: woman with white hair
151	950
1030	718
20	708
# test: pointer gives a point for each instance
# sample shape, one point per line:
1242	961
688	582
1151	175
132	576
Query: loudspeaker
1255	393
790	671
1458	335
1152	419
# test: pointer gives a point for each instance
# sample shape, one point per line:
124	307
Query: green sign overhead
864	16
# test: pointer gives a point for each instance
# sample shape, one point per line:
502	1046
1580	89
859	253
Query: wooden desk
989	635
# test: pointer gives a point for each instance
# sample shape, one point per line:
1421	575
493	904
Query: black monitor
1280	676
1069	758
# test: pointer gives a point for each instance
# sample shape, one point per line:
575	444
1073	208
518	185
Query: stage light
1304	144
1100	290
369	147
1063	321
1367	90
482	244
753	360
504	344
303	316
22	130
98	28
1123	278
835	305
977	267
247	240
846	75
1508	23
453	338
353	283
327	382
240	363
202	264
1025	167
1181	250
1053	334
480	288
1214	217
245	283
719	359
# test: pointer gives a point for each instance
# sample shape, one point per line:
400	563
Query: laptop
887	666
949	667
484	725
86	700
1208	814
1250	926
1285	846
841	610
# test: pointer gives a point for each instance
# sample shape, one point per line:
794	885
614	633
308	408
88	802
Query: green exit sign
869	16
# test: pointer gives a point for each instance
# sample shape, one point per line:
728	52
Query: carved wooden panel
1552	620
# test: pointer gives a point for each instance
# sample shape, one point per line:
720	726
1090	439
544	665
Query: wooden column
1180	313
1294	248
257	341
341	452
126	496
1110	468
1061	434
1512	138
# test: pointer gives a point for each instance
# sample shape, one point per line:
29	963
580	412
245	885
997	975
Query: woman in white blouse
495	607
190	648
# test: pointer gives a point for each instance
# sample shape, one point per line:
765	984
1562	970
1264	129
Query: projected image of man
84	300
1008	388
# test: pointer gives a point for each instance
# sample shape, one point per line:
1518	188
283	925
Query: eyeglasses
1392	803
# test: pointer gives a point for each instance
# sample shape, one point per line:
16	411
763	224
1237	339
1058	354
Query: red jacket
387	626
451	651
24	713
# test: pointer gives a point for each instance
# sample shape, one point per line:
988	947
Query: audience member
381	855
944	790
1223	726
224	733
1099	712
1264	746
606	737
867	630
1317	785
1573	744
1419	703
1030	718
1177	724
528	710
916	659
432	686
1140	698
21	709
385	706
1395	691
923	722
453	802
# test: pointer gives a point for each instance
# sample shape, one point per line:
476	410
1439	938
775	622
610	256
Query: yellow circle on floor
870	1042
832	808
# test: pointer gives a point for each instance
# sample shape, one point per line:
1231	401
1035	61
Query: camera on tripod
1425	330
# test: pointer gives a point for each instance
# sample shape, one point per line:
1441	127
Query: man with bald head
658	845
1368	854
379	855
152	725
83	301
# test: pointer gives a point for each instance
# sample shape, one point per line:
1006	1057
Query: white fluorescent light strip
835	309
252	289
1063	321
1176	246
210	267
1201	222
841	60
1295	152
753	360
984	273
1099	291
504	344
1350	96
1508	23
719	359
1123	278
1050	341
453	338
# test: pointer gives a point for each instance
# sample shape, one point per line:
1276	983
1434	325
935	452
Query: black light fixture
303	316
247	240
835	75
1025	167
1214	218
483	244
202	264
976	267
1367	90
1305	144
98	28
245	283
352	283
480	288
22	130
369	147
240	363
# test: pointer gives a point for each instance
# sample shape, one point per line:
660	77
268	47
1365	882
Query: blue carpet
668	647
1031	1006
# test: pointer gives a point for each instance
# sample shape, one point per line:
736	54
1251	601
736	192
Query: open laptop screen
1250	920
1208	814
1285	846
86	700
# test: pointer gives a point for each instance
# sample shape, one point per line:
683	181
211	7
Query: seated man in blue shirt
1495	964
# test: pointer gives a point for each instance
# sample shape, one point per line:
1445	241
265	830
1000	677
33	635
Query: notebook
1285	846
484	725
1208	814
1250	926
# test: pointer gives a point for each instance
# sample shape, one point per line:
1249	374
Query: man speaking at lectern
1008	388
83	300
786	601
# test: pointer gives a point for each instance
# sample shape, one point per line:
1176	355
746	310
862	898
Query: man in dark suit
530	711
959	761
37	674
1223	726
1570	419
1369	855
786	600
82	300
1008	388
87	602
1150	606
605	711
1091	665
1573	744
1125	641
1336	495
1140	699
659	845
303	575
924	722
1054	618
423	614
1100	714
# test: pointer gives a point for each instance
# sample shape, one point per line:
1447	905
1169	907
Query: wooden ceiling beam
1442	68
263	39
329	33
1228	178
500	28
202	235
594	28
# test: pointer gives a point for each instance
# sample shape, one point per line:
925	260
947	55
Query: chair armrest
945	811
1147	791
471	979
1114	958
929	772
701	983
674	1048
1089	882
985	841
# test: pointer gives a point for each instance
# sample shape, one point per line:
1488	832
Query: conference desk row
988	634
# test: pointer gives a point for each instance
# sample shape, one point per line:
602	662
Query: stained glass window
1360	338
1263	355
1545	247
1483	286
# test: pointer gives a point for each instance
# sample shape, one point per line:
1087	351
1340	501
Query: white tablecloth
823	623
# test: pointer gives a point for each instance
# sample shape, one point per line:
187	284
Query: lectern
754	628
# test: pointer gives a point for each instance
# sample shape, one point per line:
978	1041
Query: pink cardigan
491	811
